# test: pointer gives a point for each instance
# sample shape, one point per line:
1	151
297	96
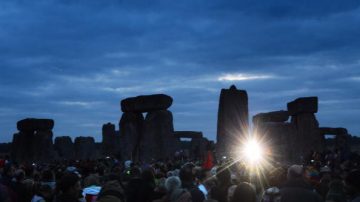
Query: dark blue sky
73	61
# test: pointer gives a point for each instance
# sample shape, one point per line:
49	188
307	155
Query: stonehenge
233	120
151	137
34	141
146	132
299	136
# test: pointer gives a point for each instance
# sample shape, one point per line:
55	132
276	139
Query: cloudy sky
73	61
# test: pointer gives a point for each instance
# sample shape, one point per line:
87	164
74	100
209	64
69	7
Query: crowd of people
329	177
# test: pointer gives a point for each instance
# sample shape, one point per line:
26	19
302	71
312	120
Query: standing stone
158	140
308	137
131	125
109	140
233	120
279	139
43	146
64	147
85	148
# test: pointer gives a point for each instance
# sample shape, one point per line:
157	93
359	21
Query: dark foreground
322	177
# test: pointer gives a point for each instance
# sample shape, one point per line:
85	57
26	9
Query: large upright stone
146	103
131	125
302	114
158	140
85	148
280	139
303	105
109	145
43	146
233	120
64	147
308	133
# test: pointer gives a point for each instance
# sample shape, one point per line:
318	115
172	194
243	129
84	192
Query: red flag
208	163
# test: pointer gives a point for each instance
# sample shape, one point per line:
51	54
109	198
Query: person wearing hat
296	189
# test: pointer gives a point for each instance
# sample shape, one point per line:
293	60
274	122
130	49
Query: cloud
76	68
243	77
78	103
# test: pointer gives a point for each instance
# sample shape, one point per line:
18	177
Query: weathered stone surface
29	147
32	124
276	116
309	137
146	103
303	105
188	134
64	147
280	138
22	142
43	146
158	140
110	141
233	120
131	126
85	148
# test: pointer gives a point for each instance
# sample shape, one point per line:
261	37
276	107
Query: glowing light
253	152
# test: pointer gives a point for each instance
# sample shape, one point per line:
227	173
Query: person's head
47	176
69	184
223	175
295	172
135	172
172	183
19	175
92	180
111	192
244	192
186	174
148	175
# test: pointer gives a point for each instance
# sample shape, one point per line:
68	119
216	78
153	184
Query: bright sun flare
252	152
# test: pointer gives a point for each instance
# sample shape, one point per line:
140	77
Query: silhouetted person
188	182
296	189
244	192
68	188
220	191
